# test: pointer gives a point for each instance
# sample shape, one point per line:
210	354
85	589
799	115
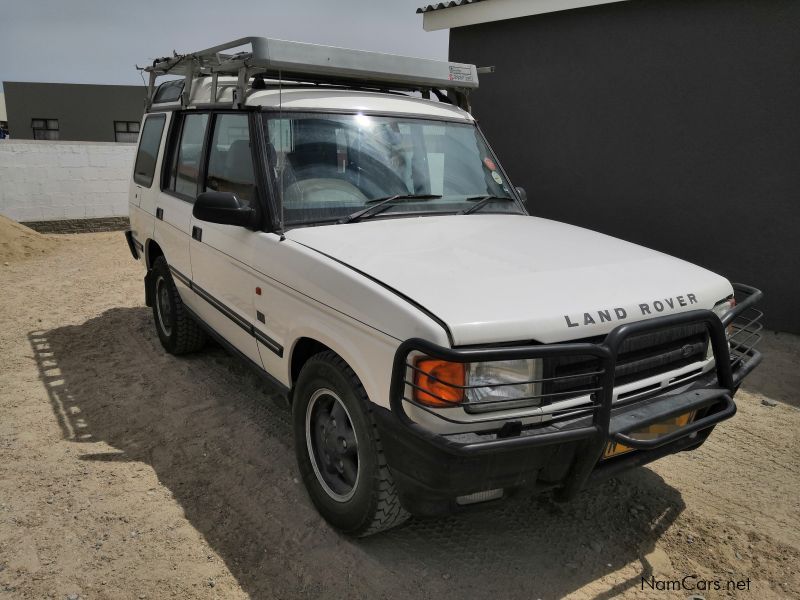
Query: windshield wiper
378	205
481	202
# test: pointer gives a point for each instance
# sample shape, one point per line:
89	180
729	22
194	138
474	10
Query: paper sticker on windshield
497	178
489	164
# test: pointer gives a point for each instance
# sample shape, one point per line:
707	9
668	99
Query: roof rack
312	63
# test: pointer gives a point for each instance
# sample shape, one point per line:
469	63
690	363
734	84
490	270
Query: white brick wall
46	181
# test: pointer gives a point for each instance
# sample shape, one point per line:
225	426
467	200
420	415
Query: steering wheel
372	177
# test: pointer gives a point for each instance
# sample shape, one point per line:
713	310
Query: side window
147	154
230	161
187	157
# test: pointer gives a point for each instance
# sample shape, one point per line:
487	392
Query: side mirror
224	208
523	195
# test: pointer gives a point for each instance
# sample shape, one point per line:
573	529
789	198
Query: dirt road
128	473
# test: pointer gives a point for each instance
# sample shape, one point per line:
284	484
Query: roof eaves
443	5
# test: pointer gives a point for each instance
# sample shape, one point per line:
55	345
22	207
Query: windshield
328	166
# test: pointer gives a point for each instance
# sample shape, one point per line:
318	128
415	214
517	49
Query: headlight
722	308
441	383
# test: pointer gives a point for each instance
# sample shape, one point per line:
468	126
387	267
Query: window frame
212	126
172	152
154	116
127	129
46	127
262	204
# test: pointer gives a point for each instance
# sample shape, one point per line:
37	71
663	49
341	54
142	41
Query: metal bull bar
595	425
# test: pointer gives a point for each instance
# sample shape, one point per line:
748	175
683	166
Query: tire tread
189	335
387	511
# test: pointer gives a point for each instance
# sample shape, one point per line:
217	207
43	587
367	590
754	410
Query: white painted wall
47	181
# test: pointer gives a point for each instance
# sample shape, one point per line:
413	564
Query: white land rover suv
337	219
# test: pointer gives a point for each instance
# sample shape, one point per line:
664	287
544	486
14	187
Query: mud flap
149	287
131	244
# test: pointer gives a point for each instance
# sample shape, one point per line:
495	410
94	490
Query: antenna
280	137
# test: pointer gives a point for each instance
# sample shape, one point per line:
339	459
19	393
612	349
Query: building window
45	129
126	131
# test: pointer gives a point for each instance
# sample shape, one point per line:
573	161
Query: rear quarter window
147	154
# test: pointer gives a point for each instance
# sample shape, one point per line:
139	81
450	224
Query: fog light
480	497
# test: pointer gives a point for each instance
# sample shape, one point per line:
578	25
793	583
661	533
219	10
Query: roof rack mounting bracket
214	86
240	94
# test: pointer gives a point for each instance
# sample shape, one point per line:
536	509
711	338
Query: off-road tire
374	505
180	333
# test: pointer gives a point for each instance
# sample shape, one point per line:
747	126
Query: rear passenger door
142	193
221	255
173	207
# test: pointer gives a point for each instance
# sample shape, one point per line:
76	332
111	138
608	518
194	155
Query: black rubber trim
268	342
222	308
411	301
180	276
248	327
236	352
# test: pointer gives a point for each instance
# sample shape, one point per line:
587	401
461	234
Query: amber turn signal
439	382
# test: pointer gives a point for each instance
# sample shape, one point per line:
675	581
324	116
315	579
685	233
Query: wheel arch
151	252
356	356
302	350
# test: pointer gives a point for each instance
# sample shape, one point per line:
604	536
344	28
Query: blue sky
95	41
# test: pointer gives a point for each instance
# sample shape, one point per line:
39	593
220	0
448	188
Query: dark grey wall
84	112
670	123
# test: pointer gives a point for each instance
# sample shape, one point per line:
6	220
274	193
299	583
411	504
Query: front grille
640	356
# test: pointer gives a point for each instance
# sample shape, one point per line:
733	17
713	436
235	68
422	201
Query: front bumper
566	453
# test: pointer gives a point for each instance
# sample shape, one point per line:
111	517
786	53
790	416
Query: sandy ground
128	473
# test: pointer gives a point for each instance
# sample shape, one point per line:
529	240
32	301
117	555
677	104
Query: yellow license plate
654	431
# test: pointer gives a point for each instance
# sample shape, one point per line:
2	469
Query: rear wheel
339	451
178	332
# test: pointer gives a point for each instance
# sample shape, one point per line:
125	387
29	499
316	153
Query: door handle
197	233
160	213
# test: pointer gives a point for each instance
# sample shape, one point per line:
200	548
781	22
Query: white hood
503	278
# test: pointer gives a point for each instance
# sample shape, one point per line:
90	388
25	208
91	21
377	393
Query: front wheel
339	452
